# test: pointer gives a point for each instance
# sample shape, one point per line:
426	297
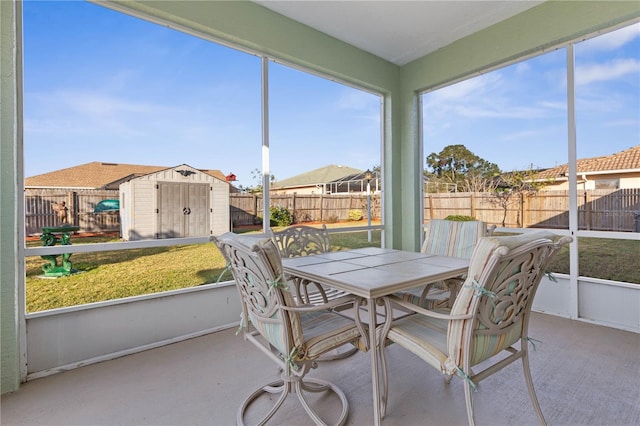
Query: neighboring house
355	183
97	175
616	171
325	180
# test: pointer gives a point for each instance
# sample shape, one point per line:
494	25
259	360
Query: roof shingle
318	176
97	175
628	159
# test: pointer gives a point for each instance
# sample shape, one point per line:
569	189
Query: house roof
360	176
98	175
315	177
623	161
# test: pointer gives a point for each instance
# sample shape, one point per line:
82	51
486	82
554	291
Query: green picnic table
50	236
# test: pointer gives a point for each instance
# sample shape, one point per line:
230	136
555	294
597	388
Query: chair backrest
503	277
257	269
452	238
302	240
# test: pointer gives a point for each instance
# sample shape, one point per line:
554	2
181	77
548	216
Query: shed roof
623	161
322	175
98	175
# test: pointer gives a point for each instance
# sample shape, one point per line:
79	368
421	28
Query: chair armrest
351	301
341	301
395	300
446	284
301	289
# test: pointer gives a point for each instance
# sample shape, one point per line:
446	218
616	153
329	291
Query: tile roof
628	159
318	176
98	175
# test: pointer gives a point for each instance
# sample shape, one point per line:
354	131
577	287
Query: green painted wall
255	28
9	336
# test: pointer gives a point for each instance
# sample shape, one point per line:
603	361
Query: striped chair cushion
452	238
424	336
446	238
272	258
324	331
435	298
487	345
484	345
271	255
267	296
273	330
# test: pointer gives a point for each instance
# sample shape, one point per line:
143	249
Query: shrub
280	216
332	219
301	217
460	218
355	214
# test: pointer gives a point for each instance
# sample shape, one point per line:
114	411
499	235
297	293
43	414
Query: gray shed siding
221	219
170	204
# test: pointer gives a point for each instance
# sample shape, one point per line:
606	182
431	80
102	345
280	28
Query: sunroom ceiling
399	31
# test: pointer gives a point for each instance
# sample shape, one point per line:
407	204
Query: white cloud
612	40
519	136
462	90
621	123
522	67
357	100
497	109
84	115
476	97
100	104
557	105
122	80
606	71
487	99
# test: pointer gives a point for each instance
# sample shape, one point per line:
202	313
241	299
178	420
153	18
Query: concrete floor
584	375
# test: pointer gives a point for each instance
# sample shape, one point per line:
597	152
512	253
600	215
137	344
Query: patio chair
297	241
303	240
446	238
489	316
292	336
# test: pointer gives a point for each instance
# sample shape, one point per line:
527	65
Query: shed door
183	210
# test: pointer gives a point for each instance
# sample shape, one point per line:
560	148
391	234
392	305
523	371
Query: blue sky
103	86
516	116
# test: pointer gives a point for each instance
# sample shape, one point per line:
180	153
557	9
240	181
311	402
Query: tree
512	187
256	176
455	164
477	183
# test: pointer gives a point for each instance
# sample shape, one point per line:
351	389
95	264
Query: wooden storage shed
178	202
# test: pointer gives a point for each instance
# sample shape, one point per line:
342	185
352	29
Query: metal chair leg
298	386
532	392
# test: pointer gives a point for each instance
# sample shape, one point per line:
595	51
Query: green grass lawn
116	274
604	258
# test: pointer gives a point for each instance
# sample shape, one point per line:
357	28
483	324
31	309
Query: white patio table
372	273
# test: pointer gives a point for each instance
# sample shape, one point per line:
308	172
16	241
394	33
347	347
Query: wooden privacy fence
40	210
246	209
598	210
